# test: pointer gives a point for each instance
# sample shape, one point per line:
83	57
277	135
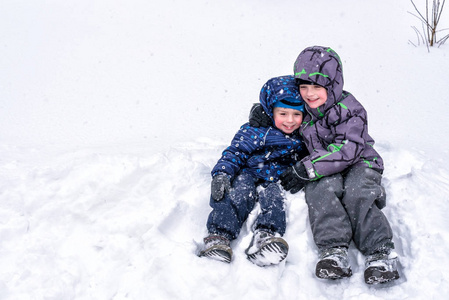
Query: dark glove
294	178
221	183
258	117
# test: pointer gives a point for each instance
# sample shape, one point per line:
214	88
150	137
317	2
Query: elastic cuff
322	248
309	169
222	234
221	173
385	247
266	229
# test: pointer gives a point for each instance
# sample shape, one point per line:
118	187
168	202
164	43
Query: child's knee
365	184
330	185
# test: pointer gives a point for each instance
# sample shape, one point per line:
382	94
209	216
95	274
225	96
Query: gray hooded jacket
336	133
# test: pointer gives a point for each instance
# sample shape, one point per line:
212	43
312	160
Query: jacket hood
322	66
277	89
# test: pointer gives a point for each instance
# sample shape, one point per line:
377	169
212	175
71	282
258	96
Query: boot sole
376	275
327	269
269	254
219	253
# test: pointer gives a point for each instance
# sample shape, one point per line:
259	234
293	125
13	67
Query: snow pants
229	214
347	206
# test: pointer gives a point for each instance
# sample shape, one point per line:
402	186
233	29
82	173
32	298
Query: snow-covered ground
112	114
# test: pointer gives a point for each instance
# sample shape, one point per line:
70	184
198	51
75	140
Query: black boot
333	264
217	247
381	266
266	249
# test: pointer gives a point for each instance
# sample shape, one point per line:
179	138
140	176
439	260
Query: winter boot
217	247
266	249
381	266
333	264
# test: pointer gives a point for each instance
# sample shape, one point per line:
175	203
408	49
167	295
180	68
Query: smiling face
313	95
287	119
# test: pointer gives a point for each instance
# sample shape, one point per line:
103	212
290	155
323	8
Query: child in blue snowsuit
256	157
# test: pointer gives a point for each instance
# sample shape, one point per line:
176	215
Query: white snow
113	113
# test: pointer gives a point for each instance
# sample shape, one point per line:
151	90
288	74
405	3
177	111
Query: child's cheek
278	123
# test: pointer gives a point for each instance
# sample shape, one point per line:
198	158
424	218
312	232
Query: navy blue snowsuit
256	157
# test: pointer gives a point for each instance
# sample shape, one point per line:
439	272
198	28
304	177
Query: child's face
287	119
313	95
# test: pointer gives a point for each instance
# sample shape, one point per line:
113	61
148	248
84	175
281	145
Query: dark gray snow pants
347	206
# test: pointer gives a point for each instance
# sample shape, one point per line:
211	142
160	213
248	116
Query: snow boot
217	247
381	267
266	249
333	264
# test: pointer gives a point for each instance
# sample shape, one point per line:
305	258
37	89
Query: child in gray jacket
342	173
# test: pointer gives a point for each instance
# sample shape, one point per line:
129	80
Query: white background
112	114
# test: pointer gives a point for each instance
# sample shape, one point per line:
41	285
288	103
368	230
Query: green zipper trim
300	73
318	176
318	73
368	163
309	123
342	105
335	53
335	149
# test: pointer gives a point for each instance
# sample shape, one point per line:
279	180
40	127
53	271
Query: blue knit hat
290	103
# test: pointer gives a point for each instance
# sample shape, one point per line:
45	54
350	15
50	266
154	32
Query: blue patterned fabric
229	214
262	152
278	89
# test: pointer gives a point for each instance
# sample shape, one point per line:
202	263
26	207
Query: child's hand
220	184
258	117
294	178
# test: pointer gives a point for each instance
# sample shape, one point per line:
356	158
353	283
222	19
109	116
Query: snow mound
102	224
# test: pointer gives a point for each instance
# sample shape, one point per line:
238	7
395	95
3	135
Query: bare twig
419	36
430	24
443	40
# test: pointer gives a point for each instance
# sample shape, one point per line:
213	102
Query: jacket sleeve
247	140
347	145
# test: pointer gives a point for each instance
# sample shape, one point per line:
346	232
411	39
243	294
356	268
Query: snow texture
113	113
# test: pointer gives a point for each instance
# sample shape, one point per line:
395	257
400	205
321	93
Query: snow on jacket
336	133
264	152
